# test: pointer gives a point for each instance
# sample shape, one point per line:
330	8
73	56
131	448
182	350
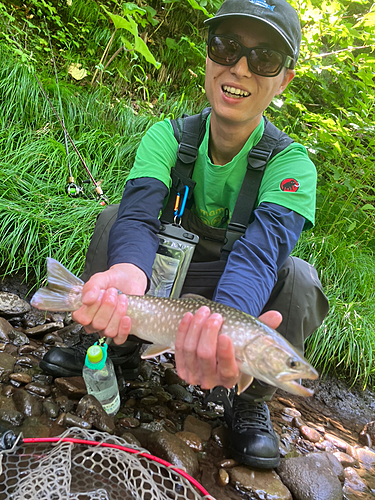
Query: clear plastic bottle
100	378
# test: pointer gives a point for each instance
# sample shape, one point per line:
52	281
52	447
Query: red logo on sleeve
290	185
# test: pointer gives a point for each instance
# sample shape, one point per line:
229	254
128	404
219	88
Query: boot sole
257	462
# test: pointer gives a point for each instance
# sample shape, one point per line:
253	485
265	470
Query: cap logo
262	3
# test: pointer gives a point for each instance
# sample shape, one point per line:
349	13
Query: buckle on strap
258	158
234	232
187	153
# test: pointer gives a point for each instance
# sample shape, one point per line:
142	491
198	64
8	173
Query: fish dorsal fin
197	298
244	382
155	350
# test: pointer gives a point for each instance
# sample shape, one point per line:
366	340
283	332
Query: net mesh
70	471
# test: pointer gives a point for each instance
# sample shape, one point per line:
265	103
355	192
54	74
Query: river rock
71	420
354	481
90	410
74	387
336	442
18	338
201	429
27	404
130	439
42	329
191	439
172	449
51	409
366	456
310	434
129	422
345	459
222	477
23	378
312	476
12	305
180	393
39	389
259	484
5	329
28	361
13	417
7	363
171	378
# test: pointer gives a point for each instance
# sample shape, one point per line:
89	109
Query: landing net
91	465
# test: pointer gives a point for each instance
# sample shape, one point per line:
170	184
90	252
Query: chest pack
189	132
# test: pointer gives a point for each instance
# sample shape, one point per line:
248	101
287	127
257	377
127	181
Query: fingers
203	357
271	318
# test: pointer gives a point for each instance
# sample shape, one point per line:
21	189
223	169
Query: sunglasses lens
224	50
265	62
262	61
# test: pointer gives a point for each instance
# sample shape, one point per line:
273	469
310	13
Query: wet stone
13	417
345	459
354	481
159	411
171	378
179	406
51	338
366	456
310	434
92	411
226	463
222	477
259	484
130	439
66	404
369	429
311	476
22	378
180	393
162	395
73	387
5	329
39	389
129	422
172	449
220	436
26	349
12	305
15	383
51	409
139	393
28	361
43	378
33	427
337	442
149	401
146	370
11	349
143	416
7	362
192	440
40	330
26	403
202	429
71	420
18	338
8	391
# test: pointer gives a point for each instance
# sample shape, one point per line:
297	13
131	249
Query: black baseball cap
278	14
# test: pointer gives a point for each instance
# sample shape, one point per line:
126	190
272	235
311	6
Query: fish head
279	364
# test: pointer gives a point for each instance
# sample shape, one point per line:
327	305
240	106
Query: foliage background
122	66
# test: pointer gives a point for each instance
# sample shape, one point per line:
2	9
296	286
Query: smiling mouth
233	92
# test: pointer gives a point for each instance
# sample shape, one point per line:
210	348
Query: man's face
259	90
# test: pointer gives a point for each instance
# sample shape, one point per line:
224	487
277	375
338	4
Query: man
252	50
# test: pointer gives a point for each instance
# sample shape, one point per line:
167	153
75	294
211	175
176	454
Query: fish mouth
312	374
295	388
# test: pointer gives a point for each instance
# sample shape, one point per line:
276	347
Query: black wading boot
252	438
69	361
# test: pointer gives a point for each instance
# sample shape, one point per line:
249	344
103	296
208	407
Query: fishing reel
73	189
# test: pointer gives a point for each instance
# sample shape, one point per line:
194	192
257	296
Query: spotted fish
261	352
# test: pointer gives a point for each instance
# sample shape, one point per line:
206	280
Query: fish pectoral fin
244	382
155	350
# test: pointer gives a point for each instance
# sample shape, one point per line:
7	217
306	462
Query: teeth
235	92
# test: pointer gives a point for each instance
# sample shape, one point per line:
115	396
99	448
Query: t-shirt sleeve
290	181
156	154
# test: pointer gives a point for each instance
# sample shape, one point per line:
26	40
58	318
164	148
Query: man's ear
288	77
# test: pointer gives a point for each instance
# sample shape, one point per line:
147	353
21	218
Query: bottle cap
95	354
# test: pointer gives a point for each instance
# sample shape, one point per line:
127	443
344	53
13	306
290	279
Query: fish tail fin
64	291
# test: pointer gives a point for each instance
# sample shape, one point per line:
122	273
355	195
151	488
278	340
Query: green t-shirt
289	179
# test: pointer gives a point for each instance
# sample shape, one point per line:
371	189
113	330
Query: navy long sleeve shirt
251	270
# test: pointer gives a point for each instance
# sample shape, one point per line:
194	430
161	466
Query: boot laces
251	415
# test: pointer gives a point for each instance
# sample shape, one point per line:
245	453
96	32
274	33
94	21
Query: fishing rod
72	188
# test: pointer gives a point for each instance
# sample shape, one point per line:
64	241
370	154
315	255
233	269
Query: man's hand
104	309
205	358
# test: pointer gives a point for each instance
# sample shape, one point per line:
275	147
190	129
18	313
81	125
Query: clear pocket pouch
172	260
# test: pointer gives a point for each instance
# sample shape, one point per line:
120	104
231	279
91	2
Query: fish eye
294	363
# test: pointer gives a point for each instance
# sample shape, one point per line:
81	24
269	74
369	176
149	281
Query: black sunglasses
262	61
